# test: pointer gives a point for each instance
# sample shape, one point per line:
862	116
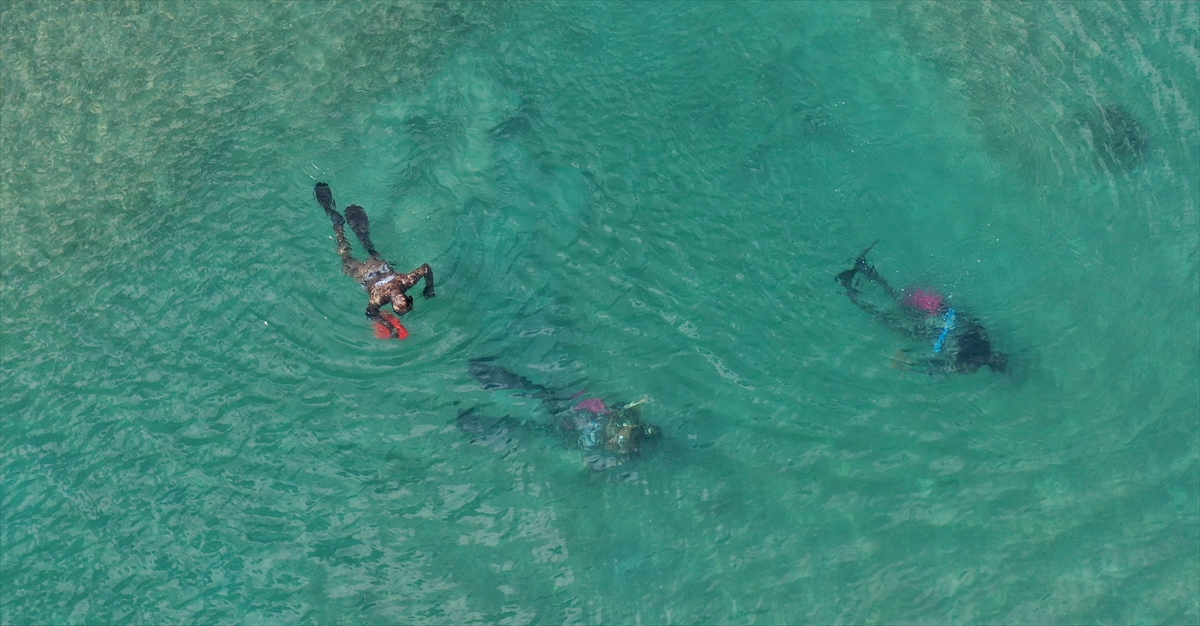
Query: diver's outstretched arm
377	317
887	319
873	276
861	266
862	257
885	316
493	377
868	271
416	275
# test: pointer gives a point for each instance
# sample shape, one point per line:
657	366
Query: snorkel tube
949	326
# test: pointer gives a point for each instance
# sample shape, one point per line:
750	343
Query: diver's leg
358	222
868	272
350	265
325	199
470	421
498	433
324	196
493	377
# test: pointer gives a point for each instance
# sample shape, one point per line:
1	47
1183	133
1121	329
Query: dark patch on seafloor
1116	136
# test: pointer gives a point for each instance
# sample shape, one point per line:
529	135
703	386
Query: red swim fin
383	332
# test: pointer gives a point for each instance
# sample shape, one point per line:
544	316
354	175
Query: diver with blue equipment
609	433
953	341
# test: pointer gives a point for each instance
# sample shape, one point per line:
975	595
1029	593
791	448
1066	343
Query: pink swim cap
595	406
929	301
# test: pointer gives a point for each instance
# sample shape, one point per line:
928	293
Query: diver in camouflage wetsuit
383	284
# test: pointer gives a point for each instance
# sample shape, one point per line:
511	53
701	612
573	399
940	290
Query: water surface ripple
640	201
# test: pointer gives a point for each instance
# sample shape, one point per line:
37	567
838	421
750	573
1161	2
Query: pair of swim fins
354	214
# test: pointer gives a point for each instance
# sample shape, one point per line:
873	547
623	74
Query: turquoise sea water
640	199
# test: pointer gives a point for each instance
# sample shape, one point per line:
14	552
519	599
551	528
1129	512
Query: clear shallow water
646	200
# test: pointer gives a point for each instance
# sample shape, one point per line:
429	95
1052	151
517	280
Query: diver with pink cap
609	433
953	341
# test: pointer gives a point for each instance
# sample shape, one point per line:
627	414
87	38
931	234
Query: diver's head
621	438
625	431
402	303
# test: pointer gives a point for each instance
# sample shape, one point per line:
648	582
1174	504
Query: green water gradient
644	200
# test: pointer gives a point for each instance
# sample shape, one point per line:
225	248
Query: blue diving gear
949	326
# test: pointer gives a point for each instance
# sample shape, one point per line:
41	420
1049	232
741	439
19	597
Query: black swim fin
358	222
325	199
